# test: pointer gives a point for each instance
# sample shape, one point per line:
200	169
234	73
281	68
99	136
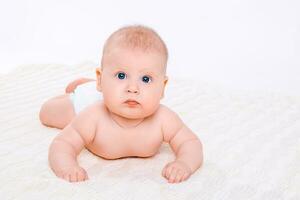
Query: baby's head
133	68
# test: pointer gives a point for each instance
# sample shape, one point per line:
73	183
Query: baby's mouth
131	102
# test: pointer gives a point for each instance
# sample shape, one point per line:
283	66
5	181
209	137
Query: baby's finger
163	173
66	177
86	177
82	176
173	175
73	177
178	177
59	175
169	171
185	176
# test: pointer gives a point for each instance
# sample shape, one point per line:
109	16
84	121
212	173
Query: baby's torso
112	142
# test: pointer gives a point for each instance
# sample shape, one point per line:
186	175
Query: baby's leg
73	85
57	112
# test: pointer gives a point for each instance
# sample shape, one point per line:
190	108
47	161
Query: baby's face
132	82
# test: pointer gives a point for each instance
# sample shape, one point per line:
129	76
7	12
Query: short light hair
135	37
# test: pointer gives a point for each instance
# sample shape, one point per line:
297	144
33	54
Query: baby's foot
73	174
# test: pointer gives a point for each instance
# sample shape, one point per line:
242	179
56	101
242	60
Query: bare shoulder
171	122
175	132
86	122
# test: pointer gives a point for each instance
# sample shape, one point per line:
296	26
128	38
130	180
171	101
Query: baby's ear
166	80
165	83
98	74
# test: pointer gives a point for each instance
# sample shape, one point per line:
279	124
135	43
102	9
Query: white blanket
251	144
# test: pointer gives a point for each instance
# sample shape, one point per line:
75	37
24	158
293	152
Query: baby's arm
186	146
68	144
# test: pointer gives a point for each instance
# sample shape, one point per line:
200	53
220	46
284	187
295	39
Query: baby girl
119	115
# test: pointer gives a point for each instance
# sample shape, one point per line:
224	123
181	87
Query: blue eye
146	79
121	75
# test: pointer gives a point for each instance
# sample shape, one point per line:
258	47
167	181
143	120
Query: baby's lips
131	102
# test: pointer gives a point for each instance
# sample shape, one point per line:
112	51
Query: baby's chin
133	113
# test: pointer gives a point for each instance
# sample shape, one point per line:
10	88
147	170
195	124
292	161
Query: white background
250	44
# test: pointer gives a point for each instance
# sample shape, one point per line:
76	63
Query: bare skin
114	128
58	111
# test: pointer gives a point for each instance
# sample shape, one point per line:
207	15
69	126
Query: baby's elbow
200	153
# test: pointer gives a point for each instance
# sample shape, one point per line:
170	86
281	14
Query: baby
119	115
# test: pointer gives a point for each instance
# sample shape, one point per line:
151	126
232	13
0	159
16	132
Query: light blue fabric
84	95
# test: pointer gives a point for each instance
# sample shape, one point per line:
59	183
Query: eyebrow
146	70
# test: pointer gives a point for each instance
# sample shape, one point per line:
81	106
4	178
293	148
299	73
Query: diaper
84	95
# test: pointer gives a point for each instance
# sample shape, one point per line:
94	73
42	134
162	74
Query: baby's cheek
150	106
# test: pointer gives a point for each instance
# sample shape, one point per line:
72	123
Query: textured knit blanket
251	144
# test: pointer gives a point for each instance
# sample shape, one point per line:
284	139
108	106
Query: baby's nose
133	88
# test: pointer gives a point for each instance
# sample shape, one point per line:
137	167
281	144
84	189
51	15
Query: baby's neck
125	122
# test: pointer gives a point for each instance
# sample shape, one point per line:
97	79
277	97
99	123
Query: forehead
134	59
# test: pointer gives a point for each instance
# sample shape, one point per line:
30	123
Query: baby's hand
176	172
73	174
